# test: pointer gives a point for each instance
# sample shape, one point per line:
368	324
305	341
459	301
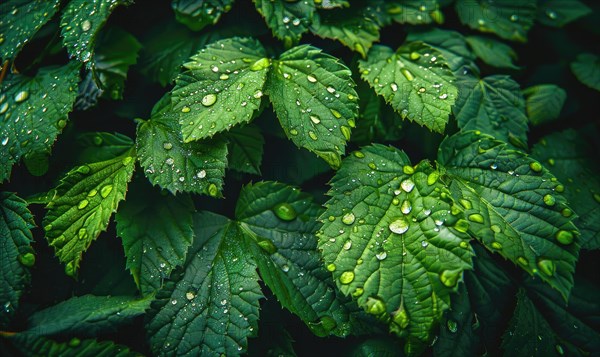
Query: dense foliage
299	177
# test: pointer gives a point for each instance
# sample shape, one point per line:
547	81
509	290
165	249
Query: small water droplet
406	207
535	166
185	109
315	119
336	113
86	25
547	266
312	135
450	277
331	267
190	295
285	268
347	245
167	146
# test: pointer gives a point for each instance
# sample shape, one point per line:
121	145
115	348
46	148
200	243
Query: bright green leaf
287	19
570	158
156	230
33	111
245	149
493	52
30	345
415	80
558	13
86	315
314	98
115	52
493	105
197	166
544	102
414	12
101	146
16	254
196	14
211	306
513	207
85	200
81	21
451	44
587	70
221	87
391	242
19	21
506	18
281	221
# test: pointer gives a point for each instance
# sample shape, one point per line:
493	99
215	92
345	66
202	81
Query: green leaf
513	206
314	98
451	44
528	333
281	222
16	254
506	18
386	226
544	102
587	70
81	21
493	52
353	27
415	80
570	157
33	111
212	307
30	345
86	315
221	87
156	230
101	146
115	52
287	19
494	105
19	21
414	12
245	149
197	14
197	166
558	13
85	200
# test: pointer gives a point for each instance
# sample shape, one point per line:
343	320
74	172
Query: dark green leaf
221	87
245	149
33	111
558	13
211	308
85	200
414	12
513	207
544	102
451	44
415	80
101	146
390	240
506	18
287	19
156	230
197	166
196	14
86	315
16	254
569	156
81	21
587	70
493	105
38	346
115	52
19	21
493	52
314	98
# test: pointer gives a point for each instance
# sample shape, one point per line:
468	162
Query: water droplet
331	267
358	292
169	161
547	266
201	174
173	302
285	268
185	109
190	295
3	108
215	69
452	326
559	188
208	100
285	211
450	277
346	132
223	302
424	244
70	268
535	166
105	191
549	200
5	141
347	277
21	96
399	226
167	146
462	225
407	74
213	190
476	217
311	78
294	132
257	94
565	237
551	14
83	204
74	342
86	25
464	244
359	154
260	64
407	169
422	90
394	87
407	185
296	22
348	218
559	349
375	306
331	90
406	207
336	113
514	18
523	261
286	19
315	119
381	255
27	259
224	76
312	135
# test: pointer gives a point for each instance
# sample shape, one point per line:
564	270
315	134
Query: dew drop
407	185
346	132
83	204
213	190
312	135
347	277
311	78
523	261
201	174
167	146
185	109
209	100
190	295
375	306
549	200
476	217
3	108
547	266
105	191
399	226
394	87
86	25
535	166
5	141
285	268
406	207
381	255
27	259
294	132
331	90
285	211
21	96
496	245
449	277
331	267
565	237
315	119
407	74
348	218
336	113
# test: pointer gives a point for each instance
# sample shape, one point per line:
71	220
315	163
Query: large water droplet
549	200
461	225
450	277
190	295
347	277
547	266
27	259
406	207
407	74
535	166
315	119
375	306
105	191
331	267
565	237
86	25
83	204
407	185
209	100
348	218
399	226
285	211
311	78
21	96
381	255
476	217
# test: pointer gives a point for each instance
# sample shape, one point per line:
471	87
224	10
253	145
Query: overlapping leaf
414	12
156	231
493	52
558	13
246	149
391	241
33	111
314	98
415	80
210	307
587	70
451	44
42	346
287	19
514	206
19	21
85	200
198	14
221	87
16	254
544	102
101	146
